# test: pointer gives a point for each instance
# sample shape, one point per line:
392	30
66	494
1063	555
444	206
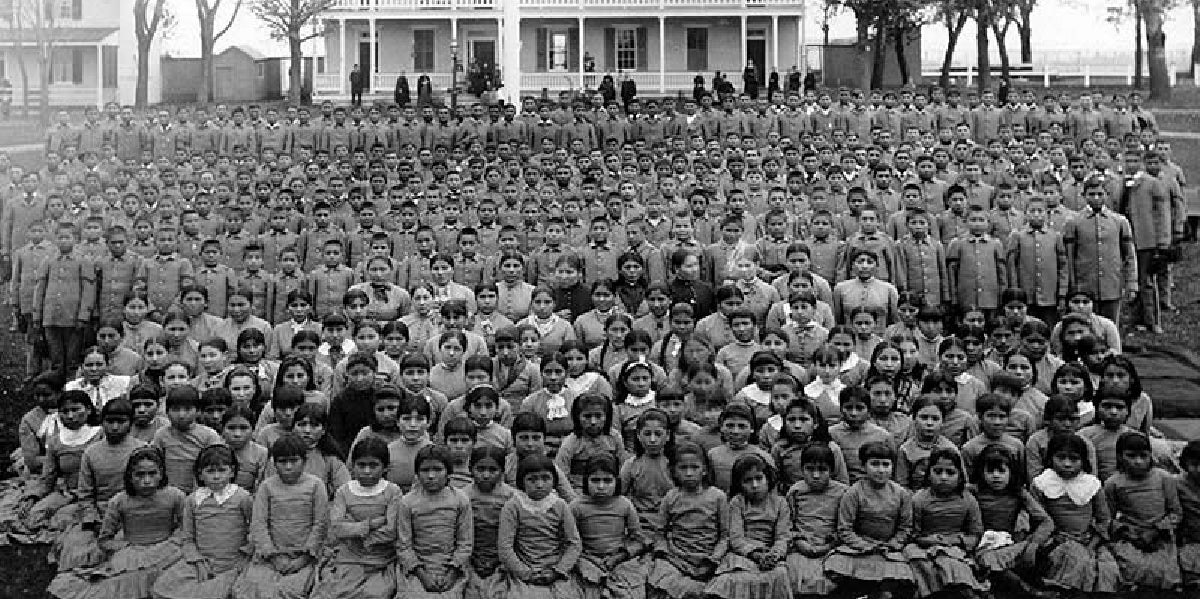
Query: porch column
342	74
370	86
512	53
662	55
100	76
742	66
802	53
581	52
774	42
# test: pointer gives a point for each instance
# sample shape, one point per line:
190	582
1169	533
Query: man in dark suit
356	86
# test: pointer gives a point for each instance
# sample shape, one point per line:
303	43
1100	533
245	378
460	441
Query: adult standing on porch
698	90
424	91
750	80
356	86
402	94
628	91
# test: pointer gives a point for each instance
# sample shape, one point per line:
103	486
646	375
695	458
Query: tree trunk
901	61
982	21
953	31
142	94
1156	45
879	62
1137	44
296	69
1025	29
1195	37
1002	48
204	93
860	56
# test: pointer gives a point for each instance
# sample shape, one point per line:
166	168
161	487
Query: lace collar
540	506
203	493
1080	489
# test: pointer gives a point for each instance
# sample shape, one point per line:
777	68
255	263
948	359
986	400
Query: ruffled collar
581	383
358	490
202	494
818	387
544	327
540	506
556	406
1080	489
638	402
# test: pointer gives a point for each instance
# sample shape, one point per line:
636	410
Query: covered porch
83	68
661	53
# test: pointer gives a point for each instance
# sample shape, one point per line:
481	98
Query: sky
1088	20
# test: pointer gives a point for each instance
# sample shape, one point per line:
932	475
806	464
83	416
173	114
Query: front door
756	50
483	54
364	64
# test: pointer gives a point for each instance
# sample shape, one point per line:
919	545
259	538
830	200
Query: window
627	49
70	9
423	50
697	49
320	64
558	50
261	69
67	66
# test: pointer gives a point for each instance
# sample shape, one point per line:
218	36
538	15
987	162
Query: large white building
545	44
94	57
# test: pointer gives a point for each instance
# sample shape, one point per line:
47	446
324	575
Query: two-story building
94	51
558	44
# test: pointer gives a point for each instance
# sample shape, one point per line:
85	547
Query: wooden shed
242	75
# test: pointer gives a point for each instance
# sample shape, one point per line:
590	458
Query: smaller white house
94	58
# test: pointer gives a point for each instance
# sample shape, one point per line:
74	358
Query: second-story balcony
397	7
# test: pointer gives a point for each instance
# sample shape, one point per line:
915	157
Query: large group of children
823	342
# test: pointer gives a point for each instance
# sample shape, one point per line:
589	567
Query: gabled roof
254	54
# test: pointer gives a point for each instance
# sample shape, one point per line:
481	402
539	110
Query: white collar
203	493
537	506
358	490
818	387
756	395
638	402
556	406
78	436
850	363
1080	489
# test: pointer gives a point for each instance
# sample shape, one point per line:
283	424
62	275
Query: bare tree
206	11
288	20
37	21
151	18
954	14
1022	11
984	14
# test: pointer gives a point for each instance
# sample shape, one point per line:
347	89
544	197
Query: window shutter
610	49
543	51
77	9
77	66
643	58
573	49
